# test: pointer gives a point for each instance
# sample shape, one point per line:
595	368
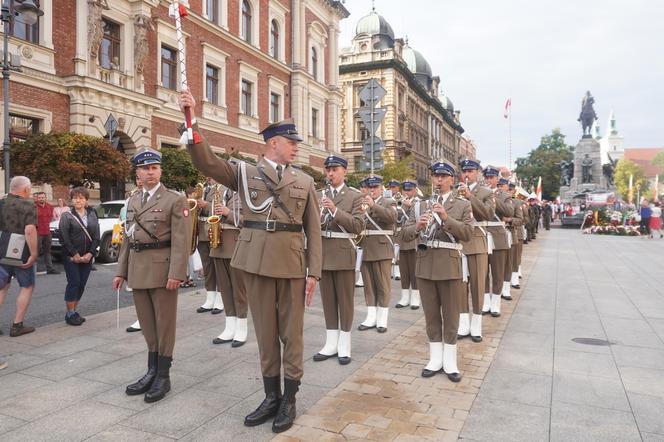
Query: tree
624	169
545	161
177	170
659	162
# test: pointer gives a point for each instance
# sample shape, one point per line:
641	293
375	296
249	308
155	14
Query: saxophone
193	211
214	220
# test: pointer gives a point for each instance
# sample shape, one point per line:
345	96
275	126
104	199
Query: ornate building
249	62
419	121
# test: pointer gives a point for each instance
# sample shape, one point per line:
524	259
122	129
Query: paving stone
591	364
643	381
8	423
21	361
527	361
487	422
648	411
514	386
121	433
640	357
636	332
68	346
589	390
70	365
652	437
17	383
568	421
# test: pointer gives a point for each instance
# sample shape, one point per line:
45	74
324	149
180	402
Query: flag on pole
655	191
508	107
539	189
630	194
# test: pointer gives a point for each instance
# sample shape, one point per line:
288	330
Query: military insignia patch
253	195
185	212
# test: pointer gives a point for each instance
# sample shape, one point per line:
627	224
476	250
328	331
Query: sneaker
19	330
79	317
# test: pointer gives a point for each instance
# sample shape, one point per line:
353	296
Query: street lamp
29	13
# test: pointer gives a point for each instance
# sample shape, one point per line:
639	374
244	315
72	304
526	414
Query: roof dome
446	102
375	25
416	61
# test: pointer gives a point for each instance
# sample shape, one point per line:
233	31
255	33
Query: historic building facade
419	121
249	63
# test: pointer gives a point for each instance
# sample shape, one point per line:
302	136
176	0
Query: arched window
274	39
314	63
246	21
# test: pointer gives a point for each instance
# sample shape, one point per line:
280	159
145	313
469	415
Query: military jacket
444	264
517	221
339	253
380	247
483	206
166	216
230	224
275	254
408	217
504	209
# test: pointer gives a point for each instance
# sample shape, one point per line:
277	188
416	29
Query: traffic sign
372	144
372	92
366	115
378	164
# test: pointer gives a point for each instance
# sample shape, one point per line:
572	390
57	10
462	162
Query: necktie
146	196
279	170
334	193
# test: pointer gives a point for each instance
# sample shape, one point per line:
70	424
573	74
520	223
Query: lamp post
30	13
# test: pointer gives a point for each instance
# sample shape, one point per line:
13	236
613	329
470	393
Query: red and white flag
539	189
508	107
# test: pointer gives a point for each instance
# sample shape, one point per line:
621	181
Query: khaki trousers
478	268
498	261
157	312
231	283
510	264
376	276
277	310
407	260
209	268
440	301
516	257
337	290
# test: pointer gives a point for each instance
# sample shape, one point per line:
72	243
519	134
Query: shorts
25	277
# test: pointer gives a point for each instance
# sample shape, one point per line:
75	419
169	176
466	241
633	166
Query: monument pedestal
587	149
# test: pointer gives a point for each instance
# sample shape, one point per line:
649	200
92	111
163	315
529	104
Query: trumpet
325	214
214	220
457	193
434	221
193	210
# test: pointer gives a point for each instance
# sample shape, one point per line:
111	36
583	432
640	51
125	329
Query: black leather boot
144	383
286	413
162	383
268	408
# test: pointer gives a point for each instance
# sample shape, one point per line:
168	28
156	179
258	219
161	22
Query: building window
21	30
109	50
274	39
314	63
245	105
246	21
314	122
20	127
212	9
275	100
169	68
212	84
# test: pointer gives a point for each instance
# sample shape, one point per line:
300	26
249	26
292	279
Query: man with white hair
18	215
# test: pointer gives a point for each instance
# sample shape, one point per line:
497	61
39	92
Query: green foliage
68	158
319	177
399	170
659	162
177	170
545	161
624	169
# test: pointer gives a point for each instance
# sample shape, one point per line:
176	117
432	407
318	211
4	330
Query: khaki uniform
209	269
378	253
499	259
231	281
519	219
439	272
273	261
408	249
337	284
476	249
166	216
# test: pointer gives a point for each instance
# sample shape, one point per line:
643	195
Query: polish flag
508	106
539	189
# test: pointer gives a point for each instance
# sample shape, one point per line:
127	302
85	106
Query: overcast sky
542	54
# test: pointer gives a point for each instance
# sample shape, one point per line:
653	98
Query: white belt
330	234
203	219
377	232
398	229
225	226
489	224
436	244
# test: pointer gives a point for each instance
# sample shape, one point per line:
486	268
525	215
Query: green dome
374	24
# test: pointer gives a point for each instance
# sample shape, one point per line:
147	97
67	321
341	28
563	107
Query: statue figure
608	170
586	169
566	172
142	24
95	26
587	116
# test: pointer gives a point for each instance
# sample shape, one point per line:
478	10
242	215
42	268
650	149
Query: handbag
14	250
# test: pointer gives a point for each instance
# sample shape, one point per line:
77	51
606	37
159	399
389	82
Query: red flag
508	106
539	189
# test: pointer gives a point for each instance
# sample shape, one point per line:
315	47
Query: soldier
342	219
499	259
279	208
476	249
378	251
213	301
547	213
394	188
153	260
230	280
364	190
440	270
408	211
518	236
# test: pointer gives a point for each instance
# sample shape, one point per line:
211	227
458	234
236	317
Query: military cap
409	184
363	182
335	160
443	168
468	164
512	186
393	183
491	171
146	156
374	180
285	128
503	181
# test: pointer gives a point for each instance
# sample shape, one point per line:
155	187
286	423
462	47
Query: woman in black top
79	230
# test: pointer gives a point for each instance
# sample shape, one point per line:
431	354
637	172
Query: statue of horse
587	116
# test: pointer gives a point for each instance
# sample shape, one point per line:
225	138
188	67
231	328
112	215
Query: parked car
109	215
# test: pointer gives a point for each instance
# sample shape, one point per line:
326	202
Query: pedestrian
656	219
280	208
19	215
60	209
153	261
547	214
79	232
645	212
44	218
